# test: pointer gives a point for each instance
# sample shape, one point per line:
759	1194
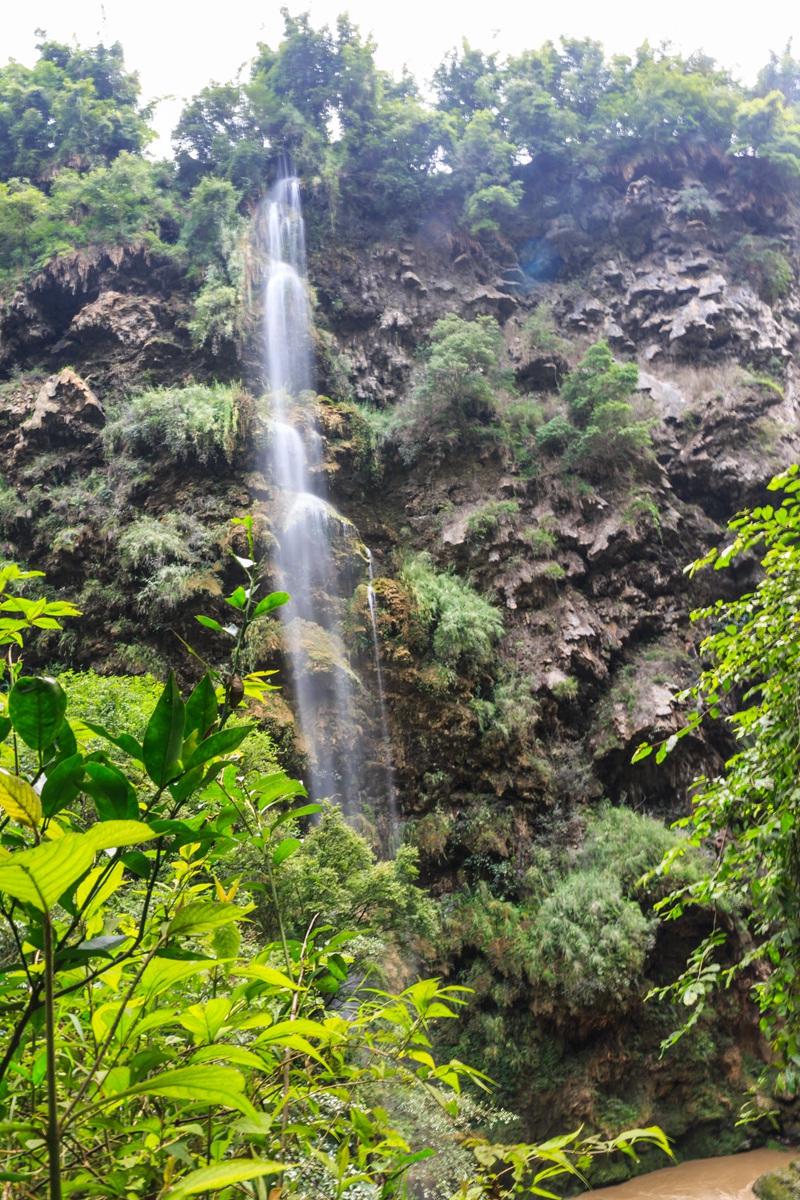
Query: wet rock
66	411
783	1184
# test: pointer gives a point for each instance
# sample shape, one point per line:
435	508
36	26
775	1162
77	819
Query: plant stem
53	1137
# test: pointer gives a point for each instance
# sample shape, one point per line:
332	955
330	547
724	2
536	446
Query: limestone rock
66	411
127	320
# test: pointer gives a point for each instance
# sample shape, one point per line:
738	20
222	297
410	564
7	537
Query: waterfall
391	795
310	531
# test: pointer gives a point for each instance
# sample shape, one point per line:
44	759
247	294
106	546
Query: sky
177	47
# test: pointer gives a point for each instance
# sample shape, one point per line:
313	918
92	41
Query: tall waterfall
314	539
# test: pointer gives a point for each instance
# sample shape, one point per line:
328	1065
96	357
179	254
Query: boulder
66	411
783	1184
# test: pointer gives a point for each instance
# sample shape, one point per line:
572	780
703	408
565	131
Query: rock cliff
498	765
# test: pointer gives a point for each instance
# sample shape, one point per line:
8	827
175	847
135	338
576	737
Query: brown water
727	1178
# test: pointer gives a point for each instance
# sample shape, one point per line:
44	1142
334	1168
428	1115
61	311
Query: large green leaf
163	973
222	1175
274	600
112	792
63	784
201	916
125	741
201	708
108	835
219	743
163	738
202	1085
36	706
40	875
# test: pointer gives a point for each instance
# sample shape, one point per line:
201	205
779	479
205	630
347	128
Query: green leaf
63	784
163	973
112	792
274	600
5	728
306	810
203	1085
124	741
201	916
109	835
163	739
286	848
642	751
41	875
222	1175
36	706
219	743
20	801
201	708
209	623
237	599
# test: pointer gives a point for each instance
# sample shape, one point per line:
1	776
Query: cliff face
498	764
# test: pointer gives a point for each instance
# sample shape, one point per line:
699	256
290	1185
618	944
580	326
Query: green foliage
761	261
543	540
540	336
460	625
646	841
511	711
590	943
604	436
596	381
751	683
142	1047
556	434
565	689
74	108
486	519
462	370
335	875
200	422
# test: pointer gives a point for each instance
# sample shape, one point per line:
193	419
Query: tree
74	108
751	814
462	370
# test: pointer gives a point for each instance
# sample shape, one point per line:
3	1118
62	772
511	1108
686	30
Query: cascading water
309	527
391	795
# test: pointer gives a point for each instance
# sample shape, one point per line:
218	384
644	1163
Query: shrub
462	369
540	336
613	441
543	540
629	844
588	943
597	380
150	542
218	316
556	434
520	421
761	261
200	421
116	702
462	626
486	519
511	712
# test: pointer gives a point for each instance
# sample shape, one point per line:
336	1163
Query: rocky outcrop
66	412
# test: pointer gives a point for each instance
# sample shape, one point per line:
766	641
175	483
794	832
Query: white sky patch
179	47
